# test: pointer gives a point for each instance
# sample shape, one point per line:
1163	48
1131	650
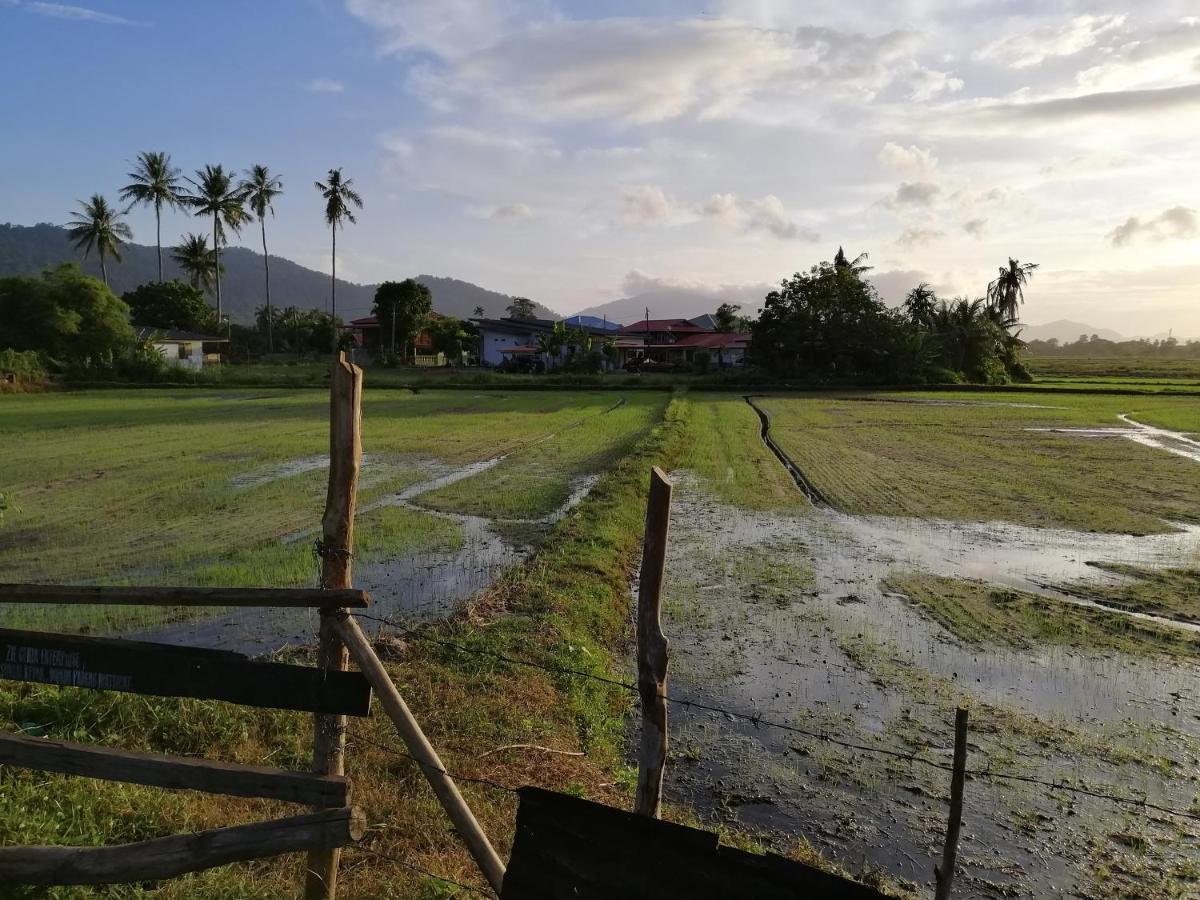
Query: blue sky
577	152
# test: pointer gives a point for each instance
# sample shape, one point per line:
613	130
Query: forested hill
27	250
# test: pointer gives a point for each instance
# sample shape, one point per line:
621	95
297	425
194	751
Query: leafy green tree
171	304
727	317
215	194
99	227
339	196
1007	292
197	261
154	182
480	312
402	309
261	188
64	314
919	304
448	336
521	308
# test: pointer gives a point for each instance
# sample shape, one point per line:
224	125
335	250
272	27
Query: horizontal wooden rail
168	857
164	670
176	772
184	596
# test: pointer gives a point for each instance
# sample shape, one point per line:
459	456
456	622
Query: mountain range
28	249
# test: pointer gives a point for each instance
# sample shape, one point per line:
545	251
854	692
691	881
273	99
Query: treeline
829	325
1094	345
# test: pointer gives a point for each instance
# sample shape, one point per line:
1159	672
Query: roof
520	349
707	321
373	321
596	323
175	335
674	326
714	340
532	326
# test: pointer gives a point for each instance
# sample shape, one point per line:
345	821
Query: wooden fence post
944	874
334	549
652	650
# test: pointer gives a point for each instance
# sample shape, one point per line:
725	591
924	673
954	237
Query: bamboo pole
337	540
652	650
422	751
945	873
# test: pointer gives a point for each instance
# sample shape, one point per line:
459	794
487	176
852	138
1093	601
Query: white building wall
170	352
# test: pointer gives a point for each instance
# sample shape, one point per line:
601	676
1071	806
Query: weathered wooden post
944	874
652	649
334	549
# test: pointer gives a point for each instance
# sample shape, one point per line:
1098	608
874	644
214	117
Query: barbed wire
758	720
379	854
425	764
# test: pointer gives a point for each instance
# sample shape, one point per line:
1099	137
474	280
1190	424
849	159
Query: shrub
23	366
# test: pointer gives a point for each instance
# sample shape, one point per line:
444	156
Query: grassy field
966	457
1117	367
222	488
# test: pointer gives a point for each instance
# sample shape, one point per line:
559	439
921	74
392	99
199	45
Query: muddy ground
785	616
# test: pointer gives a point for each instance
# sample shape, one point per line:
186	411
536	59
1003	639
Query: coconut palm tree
196	260
339	195
856	265
1007	292
99	226
260	188
154	182
214	194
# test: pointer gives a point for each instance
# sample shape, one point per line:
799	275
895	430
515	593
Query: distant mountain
27	250
1065	331
677	303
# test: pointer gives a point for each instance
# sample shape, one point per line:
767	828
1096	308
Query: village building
677	341
184	349
368	337
501	340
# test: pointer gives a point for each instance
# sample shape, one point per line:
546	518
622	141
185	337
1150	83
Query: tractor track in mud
809	489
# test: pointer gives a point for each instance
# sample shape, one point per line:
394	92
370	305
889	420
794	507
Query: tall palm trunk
333	288
267	272
103	268
158	236
217	261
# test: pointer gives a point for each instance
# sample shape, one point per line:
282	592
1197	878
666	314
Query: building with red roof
677	341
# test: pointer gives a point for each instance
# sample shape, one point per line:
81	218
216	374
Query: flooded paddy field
1044	578
227	489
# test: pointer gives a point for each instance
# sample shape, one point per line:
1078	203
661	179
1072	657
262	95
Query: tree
197	261
1007	292
154	182
521	308
99	227
260	189
170	304
214	194
339	196
919	304
64	314
402	309
447	336
854	265
727	317
480	312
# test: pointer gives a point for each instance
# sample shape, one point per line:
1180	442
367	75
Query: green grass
1173	593
966	456
1131	368
194	487
979	613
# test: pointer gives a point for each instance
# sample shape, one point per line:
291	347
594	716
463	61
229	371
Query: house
181	348
368	336
677	341
501	339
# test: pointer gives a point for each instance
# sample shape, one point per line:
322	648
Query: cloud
911	238
445	27
913	193
325	86
1033	46
1126	104
638	282
1176	223
893	285
910	162
646	204
79	14
925	84
765	214
511	212
976	228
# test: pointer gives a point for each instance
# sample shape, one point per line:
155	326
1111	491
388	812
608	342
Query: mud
809	637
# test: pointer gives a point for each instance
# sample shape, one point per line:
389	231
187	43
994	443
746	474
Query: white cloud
909	162
1033	46
646	204
925	84
976	228
325	86
764	214
1178	222
911	238
511	212
446	27
79	14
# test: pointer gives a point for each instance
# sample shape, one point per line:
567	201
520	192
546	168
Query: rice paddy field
1032	556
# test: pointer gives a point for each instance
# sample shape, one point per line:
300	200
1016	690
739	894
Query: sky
576	152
